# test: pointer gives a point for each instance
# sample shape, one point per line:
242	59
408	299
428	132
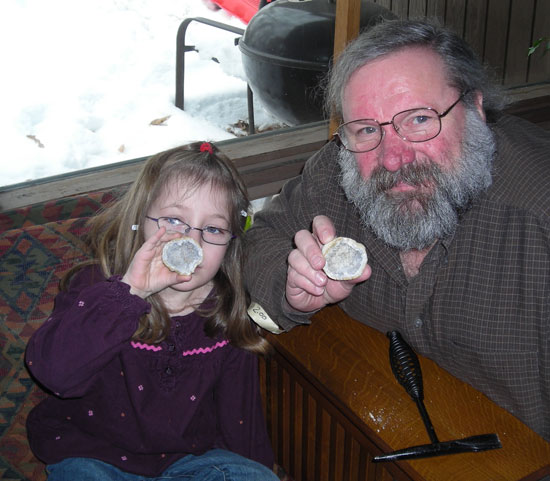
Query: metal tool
406	368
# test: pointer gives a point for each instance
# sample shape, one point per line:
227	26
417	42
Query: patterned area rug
56	210
32	261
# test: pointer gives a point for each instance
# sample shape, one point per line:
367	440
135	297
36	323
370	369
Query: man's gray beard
415	220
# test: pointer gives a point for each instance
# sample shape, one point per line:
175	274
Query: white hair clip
244	213
135	226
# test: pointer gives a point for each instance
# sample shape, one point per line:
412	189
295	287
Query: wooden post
348	13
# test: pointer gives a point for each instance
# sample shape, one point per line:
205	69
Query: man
451	199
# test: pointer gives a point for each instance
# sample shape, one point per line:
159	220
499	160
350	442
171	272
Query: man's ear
479	104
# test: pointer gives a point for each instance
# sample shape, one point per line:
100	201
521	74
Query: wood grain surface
349	362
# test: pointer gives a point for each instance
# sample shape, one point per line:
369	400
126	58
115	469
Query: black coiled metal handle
406	369
405	366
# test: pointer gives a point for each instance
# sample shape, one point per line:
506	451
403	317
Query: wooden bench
332	403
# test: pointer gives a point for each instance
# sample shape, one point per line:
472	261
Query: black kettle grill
286	49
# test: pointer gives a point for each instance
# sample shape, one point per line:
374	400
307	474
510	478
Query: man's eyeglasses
413	125
210	234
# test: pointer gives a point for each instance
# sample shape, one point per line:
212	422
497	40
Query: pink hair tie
206	147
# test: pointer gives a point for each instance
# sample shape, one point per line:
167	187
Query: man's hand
307	286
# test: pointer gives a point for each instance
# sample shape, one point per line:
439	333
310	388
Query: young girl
153	374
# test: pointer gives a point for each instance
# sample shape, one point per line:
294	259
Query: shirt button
171	347
418	322
168	370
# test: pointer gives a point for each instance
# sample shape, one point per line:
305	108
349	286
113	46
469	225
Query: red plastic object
243	9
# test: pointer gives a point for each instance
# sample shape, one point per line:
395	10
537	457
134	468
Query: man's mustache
416	175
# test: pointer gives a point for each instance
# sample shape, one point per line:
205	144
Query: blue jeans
214	465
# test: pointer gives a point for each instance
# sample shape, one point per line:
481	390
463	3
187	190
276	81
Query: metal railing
182	48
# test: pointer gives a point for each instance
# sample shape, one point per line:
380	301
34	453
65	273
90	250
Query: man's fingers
310	249
302	267
297	282
323	229
338	290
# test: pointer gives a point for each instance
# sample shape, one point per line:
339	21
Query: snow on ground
92	83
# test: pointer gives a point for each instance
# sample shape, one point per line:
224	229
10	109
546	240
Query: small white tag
260	317
135	226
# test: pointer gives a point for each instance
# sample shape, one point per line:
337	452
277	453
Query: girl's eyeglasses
210	234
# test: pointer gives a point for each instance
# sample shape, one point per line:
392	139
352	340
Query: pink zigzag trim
204	350
140	345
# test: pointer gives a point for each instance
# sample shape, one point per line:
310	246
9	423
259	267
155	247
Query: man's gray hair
464	69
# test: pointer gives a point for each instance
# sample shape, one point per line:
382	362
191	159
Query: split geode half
182	255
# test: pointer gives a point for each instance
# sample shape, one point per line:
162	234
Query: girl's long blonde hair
114	244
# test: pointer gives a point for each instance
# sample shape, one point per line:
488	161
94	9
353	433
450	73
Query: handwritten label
260	317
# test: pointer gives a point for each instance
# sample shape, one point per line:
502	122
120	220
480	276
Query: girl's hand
147	274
